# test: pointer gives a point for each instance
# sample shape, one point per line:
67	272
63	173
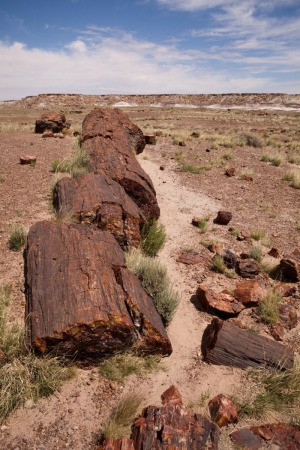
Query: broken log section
81	301
225	344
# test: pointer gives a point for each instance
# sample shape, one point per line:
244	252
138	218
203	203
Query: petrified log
290	266
281	435
55	122
98	199
173	426
219	303
81	301
223	217
110	138
248	268
225	344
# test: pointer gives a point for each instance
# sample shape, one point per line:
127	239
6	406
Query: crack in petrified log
114	158
98	199
75	306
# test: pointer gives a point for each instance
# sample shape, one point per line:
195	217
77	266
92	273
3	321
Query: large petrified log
110	138
81	301
225	344
98	199
173	426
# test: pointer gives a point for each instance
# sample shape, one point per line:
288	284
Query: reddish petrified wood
27	159
248	268
55	122
225	344
220	303
290	266
222	410
223	217
173	426
249	292
191	258
81	301
98	199
117	444
110	138
285	436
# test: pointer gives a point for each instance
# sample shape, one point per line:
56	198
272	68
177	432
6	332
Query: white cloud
102	61
193	5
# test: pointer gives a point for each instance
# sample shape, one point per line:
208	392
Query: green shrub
268	308
120	366
17	238
153	276
153	237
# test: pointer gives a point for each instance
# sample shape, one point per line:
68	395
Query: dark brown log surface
75	300
225	344
109	137
98	199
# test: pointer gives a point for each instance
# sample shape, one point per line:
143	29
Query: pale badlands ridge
243	101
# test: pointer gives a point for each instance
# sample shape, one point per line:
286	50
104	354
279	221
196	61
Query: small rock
48	134
222	303
150	139
246	439
161	167
249	292
76	133
274	252
247	178
277	331
195	134
59	135
190	258
248	268
28	159
223	217
171	396
222	410
29	404
230	172
182	144
229	259
290	266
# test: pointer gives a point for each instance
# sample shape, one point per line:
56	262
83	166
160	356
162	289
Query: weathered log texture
225	344
110	138
76	304
173	426
98	199
290	266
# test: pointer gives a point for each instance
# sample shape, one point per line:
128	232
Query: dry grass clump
294	159
202	224
279	391
153	237
255	252
120	366
276	159
251	140
218	264
293	177
268	308
120	420
17	238
78	165
23	375
153	276
257	235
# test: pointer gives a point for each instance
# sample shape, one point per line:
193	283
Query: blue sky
149	46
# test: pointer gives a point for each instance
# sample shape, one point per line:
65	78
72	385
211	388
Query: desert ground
195	146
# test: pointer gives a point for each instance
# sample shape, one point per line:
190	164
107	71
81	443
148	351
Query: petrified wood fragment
225	344
55	122
290	266
98	199
220	303
110	138
173	426
81	301
249	292
222	410
117	444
